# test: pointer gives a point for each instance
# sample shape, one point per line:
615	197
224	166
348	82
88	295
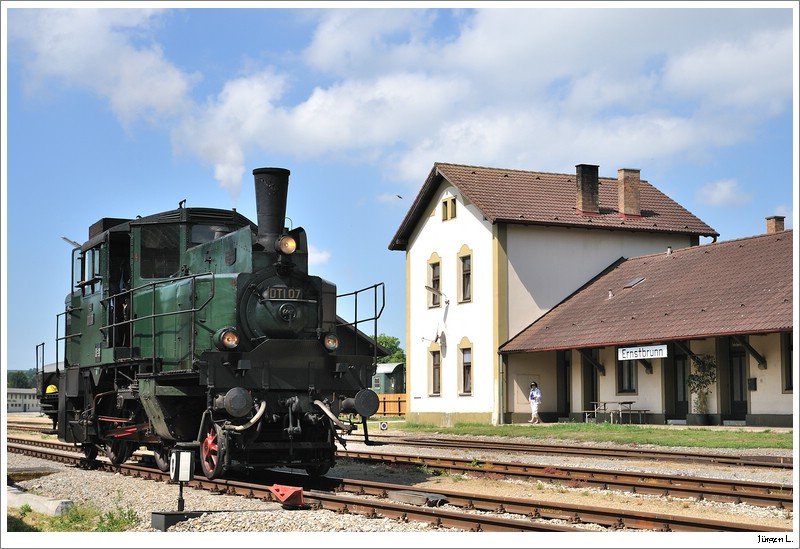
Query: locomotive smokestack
272	185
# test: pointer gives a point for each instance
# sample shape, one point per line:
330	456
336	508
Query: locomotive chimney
272	185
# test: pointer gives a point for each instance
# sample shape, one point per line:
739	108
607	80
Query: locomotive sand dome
195	328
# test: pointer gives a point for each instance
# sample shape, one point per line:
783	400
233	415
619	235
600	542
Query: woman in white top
535	398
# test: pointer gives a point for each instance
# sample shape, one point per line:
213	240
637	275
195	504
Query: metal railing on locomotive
376	314
153	315
40	360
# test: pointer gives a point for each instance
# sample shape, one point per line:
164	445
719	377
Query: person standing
535	397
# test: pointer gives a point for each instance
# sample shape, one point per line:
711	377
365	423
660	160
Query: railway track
317	499
371	499
722	490
779	462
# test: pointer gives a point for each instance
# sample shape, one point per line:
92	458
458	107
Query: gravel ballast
109	491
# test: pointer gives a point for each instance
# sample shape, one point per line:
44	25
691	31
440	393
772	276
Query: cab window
203	233
160	251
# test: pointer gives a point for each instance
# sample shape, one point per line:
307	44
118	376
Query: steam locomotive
197	329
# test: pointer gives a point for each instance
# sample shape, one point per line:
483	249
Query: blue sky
119	112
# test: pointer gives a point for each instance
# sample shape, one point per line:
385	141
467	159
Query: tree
20	379
700	381
392	345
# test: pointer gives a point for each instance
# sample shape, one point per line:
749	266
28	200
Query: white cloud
242	116
529	88
317	256
365	41
94	49
750	72
725	192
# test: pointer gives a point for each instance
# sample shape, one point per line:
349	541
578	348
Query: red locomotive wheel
212	452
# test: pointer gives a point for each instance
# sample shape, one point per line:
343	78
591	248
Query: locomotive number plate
283	293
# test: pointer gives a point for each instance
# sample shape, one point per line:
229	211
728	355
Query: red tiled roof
540	198
735	287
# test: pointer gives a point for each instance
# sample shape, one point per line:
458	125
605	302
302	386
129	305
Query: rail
153	315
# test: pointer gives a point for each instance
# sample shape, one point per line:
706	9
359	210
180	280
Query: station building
490	251
22	400
730	301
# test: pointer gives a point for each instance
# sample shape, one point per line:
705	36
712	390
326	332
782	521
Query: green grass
82	518
622	434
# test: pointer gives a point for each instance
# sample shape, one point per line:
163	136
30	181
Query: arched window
465	372
434	280
464	263
434	370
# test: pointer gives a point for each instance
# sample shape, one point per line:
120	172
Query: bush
703	376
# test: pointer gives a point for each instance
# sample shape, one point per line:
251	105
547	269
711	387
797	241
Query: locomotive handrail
376	312
65	337
152	316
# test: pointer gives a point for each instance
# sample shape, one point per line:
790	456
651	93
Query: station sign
642	353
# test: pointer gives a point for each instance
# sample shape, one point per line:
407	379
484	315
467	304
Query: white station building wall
546	264
456	321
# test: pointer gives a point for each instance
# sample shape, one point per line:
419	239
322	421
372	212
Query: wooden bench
630	413
589	414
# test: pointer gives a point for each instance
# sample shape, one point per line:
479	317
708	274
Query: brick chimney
628	192
587	185
775	224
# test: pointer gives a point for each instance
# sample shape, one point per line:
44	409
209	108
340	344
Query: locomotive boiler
195	328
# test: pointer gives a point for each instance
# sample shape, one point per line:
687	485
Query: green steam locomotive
195	328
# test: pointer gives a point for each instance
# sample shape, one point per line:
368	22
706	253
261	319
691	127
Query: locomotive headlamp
226	339
286	245
331	342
